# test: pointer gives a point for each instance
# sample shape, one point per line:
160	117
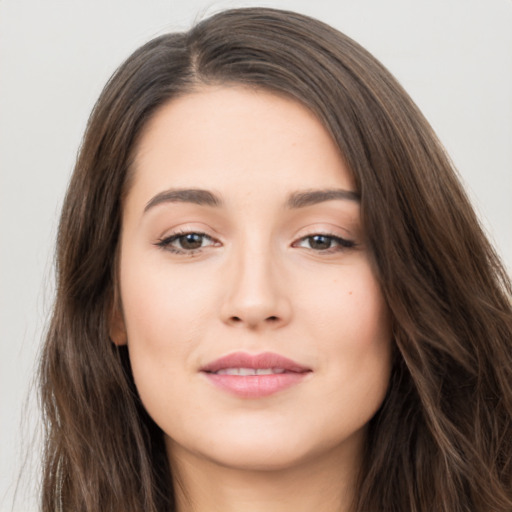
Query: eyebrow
207	198
188	195
312	197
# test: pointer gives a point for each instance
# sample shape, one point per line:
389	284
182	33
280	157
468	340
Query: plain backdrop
453	56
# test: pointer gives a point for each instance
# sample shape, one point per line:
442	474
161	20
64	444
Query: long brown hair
442	440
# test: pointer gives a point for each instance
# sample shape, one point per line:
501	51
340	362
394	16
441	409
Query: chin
266	449
259	456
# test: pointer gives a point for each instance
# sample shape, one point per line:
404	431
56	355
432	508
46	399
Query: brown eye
320	242
190	241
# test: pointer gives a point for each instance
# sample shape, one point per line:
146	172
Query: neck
324	483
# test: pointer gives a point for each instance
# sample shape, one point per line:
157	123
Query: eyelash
341	244
165	243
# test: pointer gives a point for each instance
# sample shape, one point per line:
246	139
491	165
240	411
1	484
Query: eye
324	243
186	243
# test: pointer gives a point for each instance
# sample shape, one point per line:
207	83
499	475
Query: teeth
250	371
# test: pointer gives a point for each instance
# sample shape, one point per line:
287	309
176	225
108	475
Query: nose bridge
255	295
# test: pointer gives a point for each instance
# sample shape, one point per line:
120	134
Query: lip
255	386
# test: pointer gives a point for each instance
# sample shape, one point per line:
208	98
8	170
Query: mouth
250	371
254	376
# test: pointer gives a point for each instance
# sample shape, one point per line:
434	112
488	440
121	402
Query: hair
442	439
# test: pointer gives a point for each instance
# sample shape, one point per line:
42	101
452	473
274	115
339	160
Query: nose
256	297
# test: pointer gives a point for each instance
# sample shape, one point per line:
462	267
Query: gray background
453	56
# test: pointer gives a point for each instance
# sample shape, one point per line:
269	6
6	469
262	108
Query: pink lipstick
254	376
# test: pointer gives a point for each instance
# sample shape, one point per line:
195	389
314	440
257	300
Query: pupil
191	241
320	242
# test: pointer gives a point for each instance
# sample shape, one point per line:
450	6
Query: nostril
237	319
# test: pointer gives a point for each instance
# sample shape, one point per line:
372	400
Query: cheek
159	304
163	317
349	309
352	329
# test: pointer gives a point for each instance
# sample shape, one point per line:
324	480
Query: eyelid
327	229
185	226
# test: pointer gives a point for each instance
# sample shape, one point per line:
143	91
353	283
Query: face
257	332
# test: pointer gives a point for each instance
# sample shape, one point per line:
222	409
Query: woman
273	293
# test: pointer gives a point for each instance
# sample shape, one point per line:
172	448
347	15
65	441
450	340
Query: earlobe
117	328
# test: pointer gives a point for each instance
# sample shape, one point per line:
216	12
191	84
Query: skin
257	283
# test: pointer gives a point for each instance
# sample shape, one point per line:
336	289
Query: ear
117	327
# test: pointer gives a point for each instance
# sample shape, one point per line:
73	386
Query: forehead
239	138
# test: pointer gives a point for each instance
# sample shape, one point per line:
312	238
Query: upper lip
256	361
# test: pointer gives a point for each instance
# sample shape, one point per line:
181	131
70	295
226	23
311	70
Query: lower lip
255	386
